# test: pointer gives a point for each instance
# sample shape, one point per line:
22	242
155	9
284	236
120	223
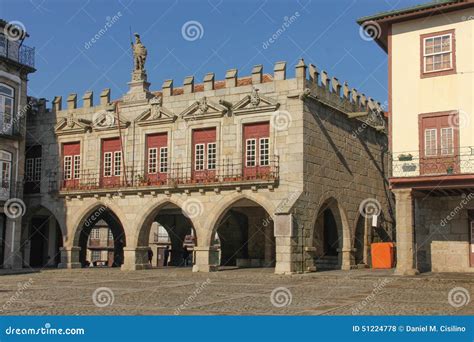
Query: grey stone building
284	172
16	63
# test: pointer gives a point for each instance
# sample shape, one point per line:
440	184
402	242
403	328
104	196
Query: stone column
286	255
346	261
52	241
205	259
70	257
135	258
269	257
405	233
12	257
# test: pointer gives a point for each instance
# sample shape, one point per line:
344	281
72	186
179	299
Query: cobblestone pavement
233	292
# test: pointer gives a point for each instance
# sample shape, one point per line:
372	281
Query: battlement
308	81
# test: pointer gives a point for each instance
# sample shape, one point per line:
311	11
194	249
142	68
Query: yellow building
430	51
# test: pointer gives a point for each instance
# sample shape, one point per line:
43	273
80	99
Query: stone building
262	170
16	63
431	107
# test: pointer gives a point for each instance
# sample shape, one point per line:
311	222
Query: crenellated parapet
212	96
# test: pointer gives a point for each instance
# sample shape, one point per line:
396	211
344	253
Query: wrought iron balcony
412	164
17	52
179	175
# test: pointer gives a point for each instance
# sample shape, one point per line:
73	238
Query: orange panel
382	255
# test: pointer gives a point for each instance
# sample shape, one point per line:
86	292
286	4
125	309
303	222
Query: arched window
7	96
5	174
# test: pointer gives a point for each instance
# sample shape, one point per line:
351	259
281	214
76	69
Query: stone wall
442	234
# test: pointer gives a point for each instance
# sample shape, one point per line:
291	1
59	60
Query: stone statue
139	54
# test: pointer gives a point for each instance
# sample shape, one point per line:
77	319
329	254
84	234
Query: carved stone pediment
156	114
72	125
107	119
203	109
255	103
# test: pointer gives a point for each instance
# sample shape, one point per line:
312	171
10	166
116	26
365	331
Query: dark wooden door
38	241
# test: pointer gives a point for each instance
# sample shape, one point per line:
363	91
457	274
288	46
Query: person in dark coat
185	255
150	256
166	256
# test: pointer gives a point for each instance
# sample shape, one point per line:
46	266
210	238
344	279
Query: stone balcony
179	177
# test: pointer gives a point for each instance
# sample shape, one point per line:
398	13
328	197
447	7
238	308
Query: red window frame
204	143
71	175
156	172
443	72
256	150
439	162
111	169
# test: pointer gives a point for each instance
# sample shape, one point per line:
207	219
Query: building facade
16	63
431	105
282	172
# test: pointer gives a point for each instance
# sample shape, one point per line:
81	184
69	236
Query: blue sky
233	35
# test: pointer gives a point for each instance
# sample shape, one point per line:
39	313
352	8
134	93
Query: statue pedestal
139	88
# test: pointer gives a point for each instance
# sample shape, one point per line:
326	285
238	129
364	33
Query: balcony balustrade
178	175
412	164
17	52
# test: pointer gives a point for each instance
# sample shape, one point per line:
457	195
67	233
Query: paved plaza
175	291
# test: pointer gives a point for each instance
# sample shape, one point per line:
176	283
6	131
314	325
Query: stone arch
42	237
93	215
143	225
245	233
82	216
216	216
331	215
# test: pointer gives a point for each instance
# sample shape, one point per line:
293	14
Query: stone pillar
70	257
405	233
205	259
135	258
285	245
52	241
12	257
269	257
309	259
367	239
346	261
